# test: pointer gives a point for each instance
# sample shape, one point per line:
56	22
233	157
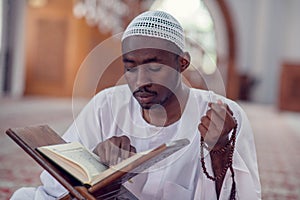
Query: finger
220	109
100	151
114	155
205	121
114	149
132	150
104	154
210	128
209	113
107	151
208	124
219	102
216	120
212	137
225	121
226	106
217	106
97	150
202	130
125	147
228	115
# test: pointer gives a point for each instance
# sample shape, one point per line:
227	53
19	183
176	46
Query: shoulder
210	96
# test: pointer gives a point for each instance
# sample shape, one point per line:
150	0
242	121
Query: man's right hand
114	150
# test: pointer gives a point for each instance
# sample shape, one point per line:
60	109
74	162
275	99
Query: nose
142	77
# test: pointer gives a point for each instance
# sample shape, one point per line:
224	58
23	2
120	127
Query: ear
184	61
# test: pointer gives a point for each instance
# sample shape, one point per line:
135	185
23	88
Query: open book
76	160
85	180
85	166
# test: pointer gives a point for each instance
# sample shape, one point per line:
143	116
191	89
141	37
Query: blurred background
246	50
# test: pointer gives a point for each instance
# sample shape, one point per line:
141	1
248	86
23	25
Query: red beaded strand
231	146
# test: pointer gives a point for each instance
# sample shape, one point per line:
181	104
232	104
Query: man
156	107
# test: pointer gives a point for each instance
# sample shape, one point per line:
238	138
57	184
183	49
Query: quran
85	166
78	169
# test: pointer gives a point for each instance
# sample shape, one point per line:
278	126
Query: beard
155	103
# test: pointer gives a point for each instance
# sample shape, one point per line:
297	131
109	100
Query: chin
145	106
150	106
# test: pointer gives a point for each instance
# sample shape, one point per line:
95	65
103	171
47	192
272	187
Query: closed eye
155	68
129	65
130	69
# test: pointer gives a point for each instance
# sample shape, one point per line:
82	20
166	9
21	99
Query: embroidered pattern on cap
156	24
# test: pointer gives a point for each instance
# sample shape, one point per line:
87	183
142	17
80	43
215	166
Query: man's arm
215	127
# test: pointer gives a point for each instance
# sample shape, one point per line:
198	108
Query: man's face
153	74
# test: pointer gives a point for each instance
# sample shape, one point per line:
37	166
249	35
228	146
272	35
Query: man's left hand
216	125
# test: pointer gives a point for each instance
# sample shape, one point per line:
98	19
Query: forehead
143	55
139	43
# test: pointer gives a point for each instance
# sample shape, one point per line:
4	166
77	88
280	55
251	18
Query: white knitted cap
157	24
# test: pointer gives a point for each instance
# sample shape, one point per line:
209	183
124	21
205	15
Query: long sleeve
245	161
244	164
49	190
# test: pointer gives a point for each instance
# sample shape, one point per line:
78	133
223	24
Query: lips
144	97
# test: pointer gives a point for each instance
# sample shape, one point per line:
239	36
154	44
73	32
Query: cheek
169	79
130	79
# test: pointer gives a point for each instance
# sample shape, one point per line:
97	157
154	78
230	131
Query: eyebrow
148	60
127	60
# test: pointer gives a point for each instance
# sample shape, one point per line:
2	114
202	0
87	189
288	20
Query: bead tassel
231	144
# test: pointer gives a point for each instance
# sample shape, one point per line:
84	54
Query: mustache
144	90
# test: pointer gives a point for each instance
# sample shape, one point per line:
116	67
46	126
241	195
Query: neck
164	115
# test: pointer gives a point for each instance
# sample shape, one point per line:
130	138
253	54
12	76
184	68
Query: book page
86	159
79	155
139	162
71	155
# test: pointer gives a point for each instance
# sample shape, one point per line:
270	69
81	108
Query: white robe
113	112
